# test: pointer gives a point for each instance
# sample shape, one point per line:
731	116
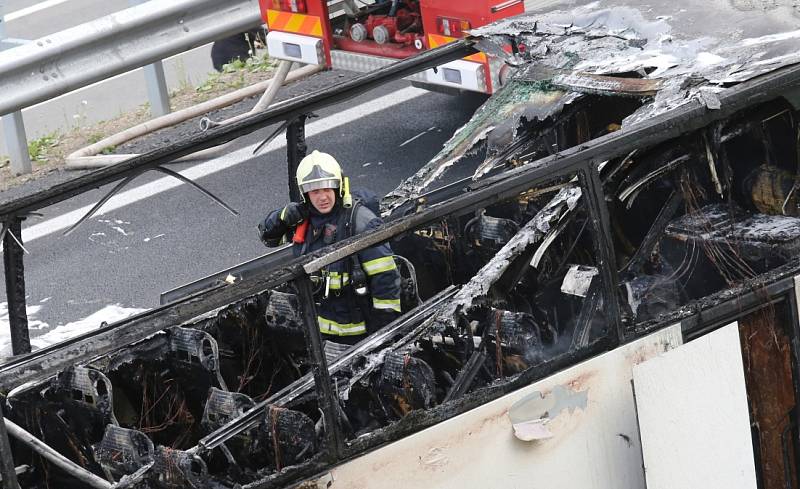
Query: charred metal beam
277	113
794	335
56	458
289	476
319	365
7	470
127	180
15	286
100	203
721	308
467	375
282	127
607	85
295	151
200	188
49	360
243	271
604	248
583	325
633	191
655	232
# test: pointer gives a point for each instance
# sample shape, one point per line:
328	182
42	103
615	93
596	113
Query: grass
39	148
233	75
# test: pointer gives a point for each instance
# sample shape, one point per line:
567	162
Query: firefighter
358	294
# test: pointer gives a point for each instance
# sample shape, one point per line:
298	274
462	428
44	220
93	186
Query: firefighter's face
323	199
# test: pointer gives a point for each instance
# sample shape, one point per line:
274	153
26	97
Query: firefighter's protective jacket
339	308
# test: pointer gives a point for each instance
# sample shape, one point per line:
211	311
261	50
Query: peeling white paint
435	457
594	443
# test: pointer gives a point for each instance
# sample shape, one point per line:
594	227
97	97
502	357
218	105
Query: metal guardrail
59	63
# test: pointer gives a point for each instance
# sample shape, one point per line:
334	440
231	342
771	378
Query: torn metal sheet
530	415
496	120
618	48
608	85
578	280
566	199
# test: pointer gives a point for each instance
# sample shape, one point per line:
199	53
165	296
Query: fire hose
90	157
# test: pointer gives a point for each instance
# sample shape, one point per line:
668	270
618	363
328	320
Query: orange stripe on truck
312	26
436	40
308	25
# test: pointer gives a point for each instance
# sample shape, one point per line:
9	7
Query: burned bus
609	300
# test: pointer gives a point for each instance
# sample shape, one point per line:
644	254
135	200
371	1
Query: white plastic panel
294	47
693	415
591	417
466	75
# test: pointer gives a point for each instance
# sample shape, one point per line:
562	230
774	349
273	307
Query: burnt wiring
252	358
727	259
273	412
412	271
157	417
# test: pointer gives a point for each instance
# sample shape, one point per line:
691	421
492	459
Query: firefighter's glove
294	213
262	234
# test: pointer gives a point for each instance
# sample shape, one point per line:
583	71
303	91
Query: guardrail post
295	151
15	287
13	125
156	82
17	143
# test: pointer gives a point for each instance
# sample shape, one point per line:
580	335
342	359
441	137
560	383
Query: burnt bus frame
686	118
581	160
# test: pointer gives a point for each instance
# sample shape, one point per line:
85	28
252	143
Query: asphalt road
132	254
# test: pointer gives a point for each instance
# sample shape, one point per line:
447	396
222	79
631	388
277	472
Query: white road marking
134	195
24	12
417	136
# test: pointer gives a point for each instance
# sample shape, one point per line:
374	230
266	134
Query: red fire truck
341	35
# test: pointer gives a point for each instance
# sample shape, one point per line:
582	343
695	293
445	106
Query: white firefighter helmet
319	170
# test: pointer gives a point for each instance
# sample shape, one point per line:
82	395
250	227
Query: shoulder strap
348	219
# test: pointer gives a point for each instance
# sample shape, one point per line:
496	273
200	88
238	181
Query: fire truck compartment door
693	415
293	47
467	75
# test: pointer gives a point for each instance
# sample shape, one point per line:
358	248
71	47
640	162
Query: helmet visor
308	187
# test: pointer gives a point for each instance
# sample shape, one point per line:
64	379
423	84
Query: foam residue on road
109	314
